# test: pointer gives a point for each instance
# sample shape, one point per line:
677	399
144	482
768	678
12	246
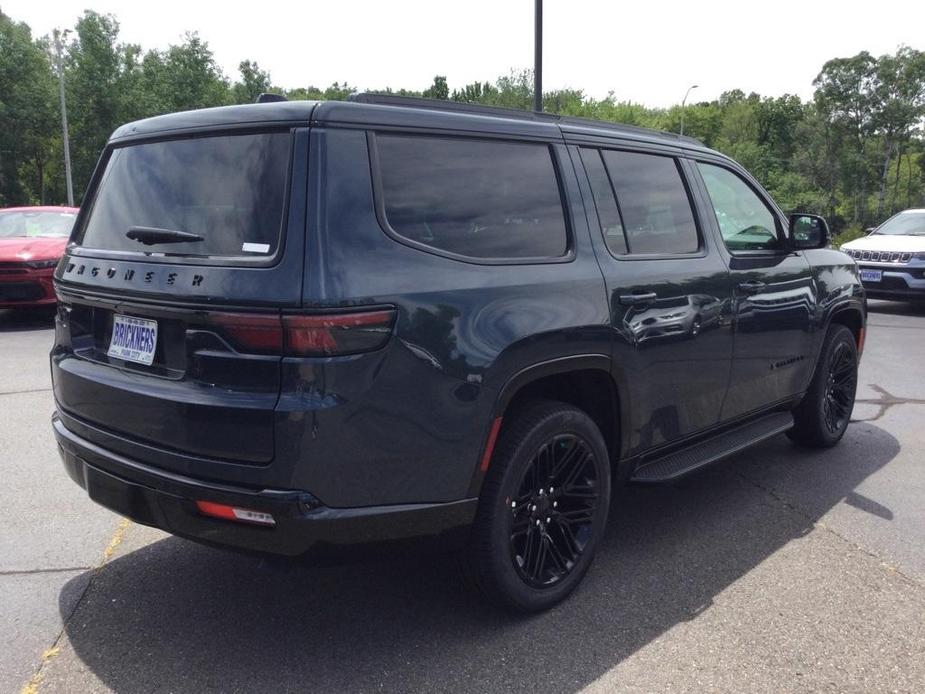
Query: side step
688	459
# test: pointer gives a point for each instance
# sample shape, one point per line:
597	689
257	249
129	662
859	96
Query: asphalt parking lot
778	570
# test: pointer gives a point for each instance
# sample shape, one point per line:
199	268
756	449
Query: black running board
678	463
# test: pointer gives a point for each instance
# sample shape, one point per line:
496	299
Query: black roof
398	111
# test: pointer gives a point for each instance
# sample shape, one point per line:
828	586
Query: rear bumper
304	528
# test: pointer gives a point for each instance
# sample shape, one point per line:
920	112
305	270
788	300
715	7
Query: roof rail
502	112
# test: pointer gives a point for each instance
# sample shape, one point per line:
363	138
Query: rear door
775	294
184	255
670	297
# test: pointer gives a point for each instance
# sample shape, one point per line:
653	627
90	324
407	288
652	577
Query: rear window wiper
150	236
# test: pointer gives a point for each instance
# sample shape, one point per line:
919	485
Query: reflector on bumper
233	513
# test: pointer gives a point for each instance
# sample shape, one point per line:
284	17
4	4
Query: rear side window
604	201
473	198
229	190
653	203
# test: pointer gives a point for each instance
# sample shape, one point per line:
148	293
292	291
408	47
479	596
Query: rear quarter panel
407	424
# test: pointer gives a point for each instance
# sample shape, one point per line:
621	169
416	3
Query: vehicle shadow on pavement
24	320
175	616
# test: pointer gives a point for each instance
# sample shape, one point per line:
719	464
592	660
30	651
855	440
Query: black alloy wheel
841	384
543	507
823	415
553	512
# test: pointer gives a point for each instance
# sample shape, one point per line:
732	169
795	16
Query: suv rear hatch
186	254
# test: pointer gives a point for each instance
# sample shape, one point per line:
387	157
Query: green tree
898	105
254	82
186	76
96	90
28	111
438	90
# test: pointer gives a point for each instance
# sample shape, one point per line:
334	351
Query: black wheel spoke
557	556
535	568
571	540
578	516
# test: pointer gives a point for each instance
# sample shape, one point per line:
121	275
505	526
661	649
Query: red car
32	240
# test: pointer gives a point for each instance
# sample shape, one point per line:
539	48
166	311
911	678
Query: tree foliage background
854	153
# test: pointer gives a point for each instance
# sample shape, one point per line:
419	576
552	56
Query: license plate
871	275
133	339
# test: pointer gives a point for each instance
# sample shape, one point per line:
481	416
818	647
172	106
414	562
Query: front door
669	290
775	298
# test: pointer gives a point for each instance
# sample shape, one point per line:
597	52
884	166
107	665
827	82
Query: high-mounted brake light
234	513
307	335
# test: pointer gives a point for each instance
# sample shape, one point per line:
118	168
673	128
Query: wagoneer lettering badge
172	278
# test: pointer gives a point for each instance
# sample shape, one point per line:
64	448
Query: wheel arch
852	315
586	381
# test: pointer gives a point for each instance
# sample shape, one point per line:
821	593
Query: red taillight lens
342	333
253	332
307	335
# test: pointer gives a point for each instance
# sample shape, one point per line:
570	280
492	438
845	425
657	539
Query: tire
821	418
530	547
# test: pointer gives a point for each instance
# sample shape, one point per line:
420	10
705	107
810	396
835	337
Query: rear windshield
228	190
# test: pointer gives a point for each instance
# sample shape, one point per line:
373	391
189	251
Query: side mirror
808	231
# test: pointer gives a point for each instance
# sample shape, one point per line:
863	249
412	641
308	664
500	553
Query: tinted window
744	220
604	201
471	197
230	190
654	204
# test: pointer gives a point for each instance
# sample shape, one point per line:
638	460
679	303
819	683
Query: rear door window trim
701	251
391	232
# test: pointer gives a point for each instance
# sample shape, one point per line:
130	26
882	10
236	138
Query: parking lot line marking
35	682
116	540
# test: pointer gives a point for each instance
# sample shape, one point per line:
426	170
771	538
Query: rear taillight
251	332
343	333
307	335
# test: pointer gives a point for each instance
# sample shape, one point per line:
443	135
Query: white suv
891	259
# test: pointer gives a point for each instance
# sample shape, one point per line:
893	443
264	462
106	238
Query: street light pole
683	102
64	137
538	56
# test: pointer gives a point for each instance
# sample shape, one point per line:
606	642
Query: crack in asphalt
884	564
34	683
900	327
31	572
886	401
28	390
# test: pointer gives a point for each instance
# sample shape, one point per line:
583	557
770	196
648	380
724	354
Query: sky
644	52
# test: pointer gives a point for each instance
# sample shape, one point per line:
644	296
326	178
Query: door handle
634	299
751	286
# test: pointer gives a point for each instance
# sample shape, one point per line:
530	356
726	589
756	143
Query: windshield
25	224
223	194
904	224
